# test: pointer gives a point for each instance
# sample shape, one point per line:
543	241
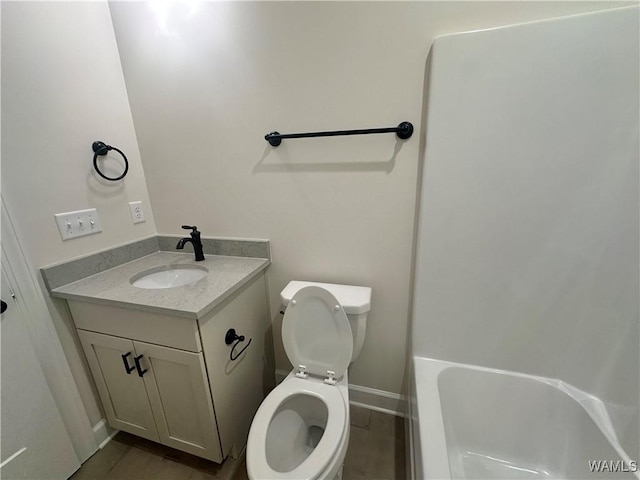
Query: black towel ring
101	148
231	337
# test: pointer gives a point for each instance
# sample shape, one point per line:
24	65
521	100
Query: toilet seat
316	333
317	338
316	463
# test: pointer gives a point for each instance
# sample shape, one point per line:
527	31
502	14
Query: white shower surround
527	247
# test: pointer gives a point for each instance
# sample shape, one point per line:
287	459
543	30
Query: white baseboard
103	433
370	398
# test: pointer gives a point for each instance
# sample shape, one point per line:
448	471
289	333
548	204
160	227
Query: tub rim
434	459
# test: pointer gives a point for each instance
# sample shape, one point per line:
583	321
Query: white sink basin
169	276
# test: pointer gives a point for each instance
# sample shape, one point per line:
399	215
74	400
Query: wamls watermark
613	466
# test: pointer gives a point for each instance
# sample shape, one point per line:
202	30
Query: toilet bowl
301	430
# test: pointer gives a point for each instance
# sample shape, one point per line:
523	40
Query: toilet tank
356	302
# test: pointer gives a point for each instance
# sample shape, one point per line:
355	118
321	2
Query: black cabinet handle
141	372
3	306
127	368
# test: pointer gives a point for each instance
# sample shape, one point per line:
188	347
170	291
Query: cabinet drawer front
123	394
180	398
176	332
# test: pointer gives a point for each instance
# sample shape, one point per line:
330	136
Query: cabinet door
123	394
180	398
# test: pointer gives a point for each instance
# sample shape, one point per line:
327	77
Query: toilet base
338	461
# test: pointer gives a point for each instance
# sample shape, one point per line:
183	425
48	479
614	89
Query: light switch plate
78	223
137	213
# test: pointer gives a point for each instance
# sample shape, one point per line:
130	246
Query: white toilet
301	430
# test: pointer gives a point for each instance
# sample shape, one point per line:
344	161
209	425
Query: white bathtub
472	422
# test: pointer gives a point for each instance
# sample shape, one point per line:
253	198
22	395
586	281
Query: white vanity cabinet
156	392
170	379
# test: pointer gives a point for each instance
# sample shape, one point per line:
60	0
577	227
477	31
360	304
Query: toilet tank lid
354	300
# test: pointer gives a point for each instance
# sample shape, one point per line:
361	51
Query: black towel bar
404	131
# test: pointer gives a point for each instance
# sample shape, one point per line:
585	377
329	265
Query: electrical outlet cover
137	213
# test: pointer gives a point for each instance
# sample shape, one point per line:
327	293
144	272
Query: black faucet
195	241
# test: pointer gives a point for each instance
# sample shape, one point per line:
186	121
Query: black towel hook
230	337
101	148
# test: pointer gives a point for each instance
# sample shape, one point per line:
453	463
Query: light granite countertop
112	287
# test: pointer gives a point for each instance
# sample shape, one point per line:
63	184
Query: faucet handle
187	227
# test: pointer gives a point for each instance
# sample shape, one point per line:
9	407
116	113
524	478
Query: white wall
62	89
206	86
528	249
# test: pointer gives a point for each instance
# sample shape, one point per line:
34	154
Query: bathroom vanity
158	355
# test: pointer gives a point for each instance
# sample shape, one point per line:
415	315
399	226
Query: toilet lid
316	332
